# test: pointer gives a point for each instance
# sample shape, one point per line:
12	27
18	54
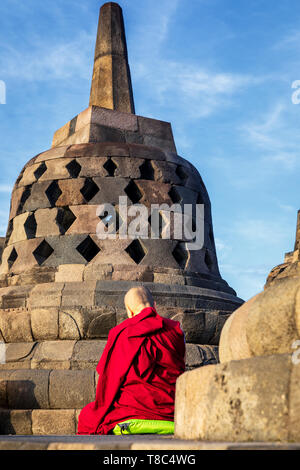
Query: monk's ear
130	313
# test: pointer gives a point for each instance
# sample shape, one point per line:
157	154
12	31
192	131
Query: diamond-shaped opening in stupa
110	167
53	192
65	218
136	251
88	249
180	254
12	257
133	192
30	226
74	168
89	190
147	170
40	170
42	252
25	195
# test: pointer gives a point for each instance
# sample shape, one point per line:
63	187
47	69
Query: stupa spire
111	84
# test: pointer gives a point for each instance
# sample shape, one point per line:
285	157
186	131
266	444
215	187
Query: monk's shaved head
137	299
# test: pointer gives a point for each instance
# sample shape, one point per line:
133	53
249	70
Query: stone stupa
62	287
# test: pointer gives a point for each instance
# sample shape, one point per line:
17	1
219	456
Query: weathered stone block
110	189
46	222
28	389
71	194
156	128
161	278
46	295
15	326
70	273
56	169
113	118
294	404
92	166
200	355
100	326
132	273
79	385
19	352
163	144
54	153
243	400
29	177
44	323
143	151
154	193
49	351
95	272
61	135
38	198
15	202
59	422
100	133
193	325
15	422
77	294
37	275
88	351
265	325
127	167
65	250
86	322
14	297
2	243
4	378
86	219
165	172
71	323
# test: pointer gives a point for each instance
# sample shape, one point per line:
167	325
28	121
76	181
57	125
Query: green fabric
144	426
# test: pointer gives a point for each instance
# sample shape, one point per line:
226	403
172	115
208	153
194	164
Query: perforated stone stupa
62	287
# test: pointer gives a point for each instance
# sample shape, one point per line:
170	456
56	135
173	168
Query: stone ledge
253	399
147	442
81	355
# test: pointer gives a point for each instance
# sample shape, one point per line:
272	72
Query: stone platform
133	443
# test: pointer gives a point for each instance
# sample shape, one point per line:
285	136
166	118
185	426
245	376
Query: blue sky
220	71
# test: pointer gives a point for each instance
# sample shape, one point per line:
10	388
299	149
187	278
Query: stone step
47	389
39	422
81	355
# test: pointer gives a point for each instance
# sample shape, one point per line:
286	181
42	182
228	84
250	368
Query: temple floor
134	443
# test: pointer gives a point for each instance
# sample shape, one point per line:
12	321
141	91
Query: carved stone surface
248	400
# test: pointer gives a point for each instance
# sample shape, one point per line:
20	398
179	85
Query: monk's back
138	369
148	391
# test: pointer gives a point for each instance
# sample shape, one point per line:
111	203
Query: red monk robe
142	359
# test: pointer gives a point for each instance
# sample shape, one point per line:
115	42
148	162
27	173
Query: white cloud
49	61
196	89
276	135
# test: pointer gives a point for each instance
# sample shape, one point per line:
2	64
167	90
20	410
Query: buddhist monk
142	359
